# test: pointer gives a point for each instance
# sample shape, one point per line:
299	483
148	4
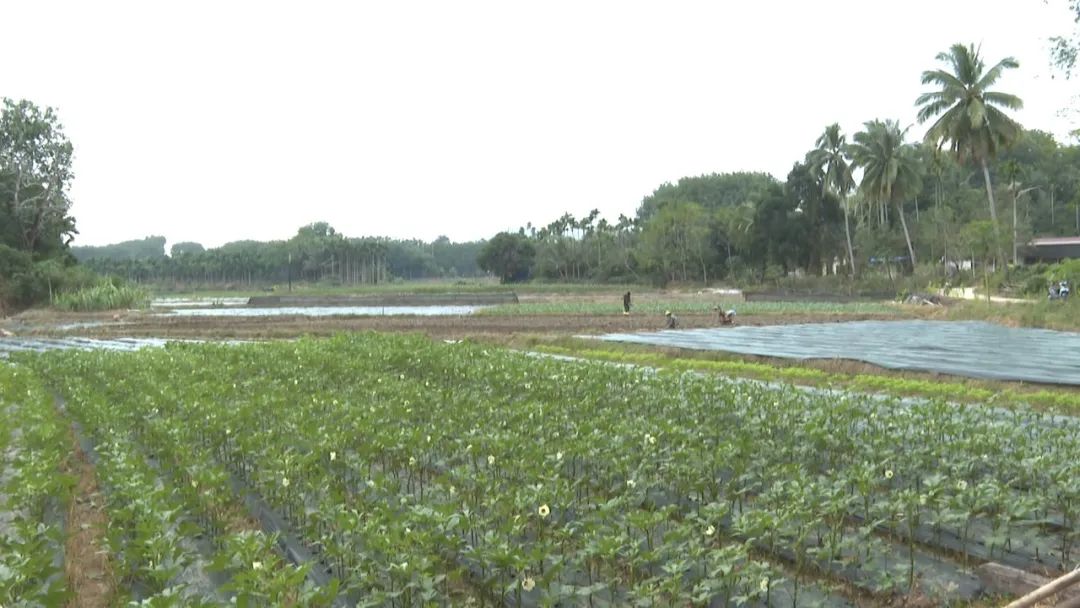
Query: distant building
1052	249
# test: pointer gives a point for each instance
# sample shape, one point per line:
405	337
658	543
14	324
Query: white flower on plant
961	485
404	565
764	586
429	438
453	490
333	456
710	531
284	482
922	499
544	511
630	483
468	448
528	583
194	484
491	460
558	456
371	483
228	431
412	461
888	474
256	565
650	438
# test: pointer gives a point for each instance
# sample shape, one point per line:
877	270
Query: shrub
104	296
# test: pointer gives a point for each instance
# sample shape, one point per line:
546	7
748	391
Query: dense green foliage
149	248
507	256
316	254
103	296
35	227
426	473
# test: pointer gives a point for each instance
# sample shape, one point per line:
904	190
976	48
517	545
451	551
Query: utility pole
1016	197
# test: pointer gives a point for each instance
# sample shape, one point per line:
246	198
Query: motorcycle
1060	291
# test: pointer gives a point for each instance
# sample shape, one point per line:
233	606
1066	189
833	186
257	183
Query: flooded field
16	345
197	302
324	311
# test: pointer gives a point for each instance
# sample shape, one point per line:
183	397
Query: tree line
316	254
976	187
35	224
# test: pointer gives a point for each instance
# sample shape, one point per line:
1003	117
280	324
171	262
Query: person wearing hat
672	320
726	317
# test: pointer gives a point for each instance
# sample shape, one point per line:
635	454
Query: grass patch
1059	315
1062	400
104	296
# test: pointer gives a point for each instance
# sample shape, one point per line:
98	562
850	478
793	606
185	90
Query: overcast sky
221	121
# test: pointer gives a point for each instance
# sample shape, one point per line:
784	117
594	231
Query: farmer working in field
726	317
672	320
626	303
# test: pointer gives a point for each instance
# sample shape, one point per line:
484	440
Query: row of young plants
499	477
34	493
178	534
438	549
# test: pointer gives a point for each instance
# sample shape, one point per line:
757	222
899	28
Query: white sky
220	121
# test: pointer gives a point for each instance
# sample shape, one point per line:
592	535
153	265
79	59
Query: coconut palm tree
891	168
971	119
830	161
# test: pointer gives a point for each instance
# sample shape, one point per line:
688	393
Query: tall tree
35	173
969	114
830	159
891	168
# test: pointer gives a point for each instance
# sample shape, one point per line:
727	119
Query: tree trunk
993	210
907	236
1015	232
847	233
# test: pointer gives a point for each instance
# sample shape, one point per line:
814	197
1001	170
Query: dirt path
87	564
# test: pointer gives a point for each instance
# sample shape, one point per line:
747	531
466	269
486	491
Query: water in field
325	311
197	302
9	346
963	348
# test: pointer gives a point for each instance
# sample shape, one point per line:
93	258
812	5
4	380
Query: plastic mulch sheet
963	348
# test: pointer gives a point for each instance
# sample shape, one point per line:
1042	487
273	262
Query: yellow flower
961	485
412	461
285	482
544	511
333	456
710	531
630	483
764	586
528	583
888	474
256	565
558	455
491	460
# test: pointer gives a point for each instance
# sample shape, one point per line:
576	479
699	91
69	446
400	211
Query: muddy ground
100	325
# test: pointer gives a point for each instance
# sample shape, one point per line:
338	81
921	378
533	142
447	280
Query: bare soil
87	564
147	325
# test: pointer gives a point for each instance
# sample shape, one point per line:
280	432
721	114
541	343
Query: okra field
394	470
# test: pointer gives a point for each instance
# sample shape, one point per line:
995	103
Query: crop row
500	478
33	493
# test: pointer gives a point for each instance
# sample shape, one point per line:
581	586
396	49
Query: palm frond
1004	100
